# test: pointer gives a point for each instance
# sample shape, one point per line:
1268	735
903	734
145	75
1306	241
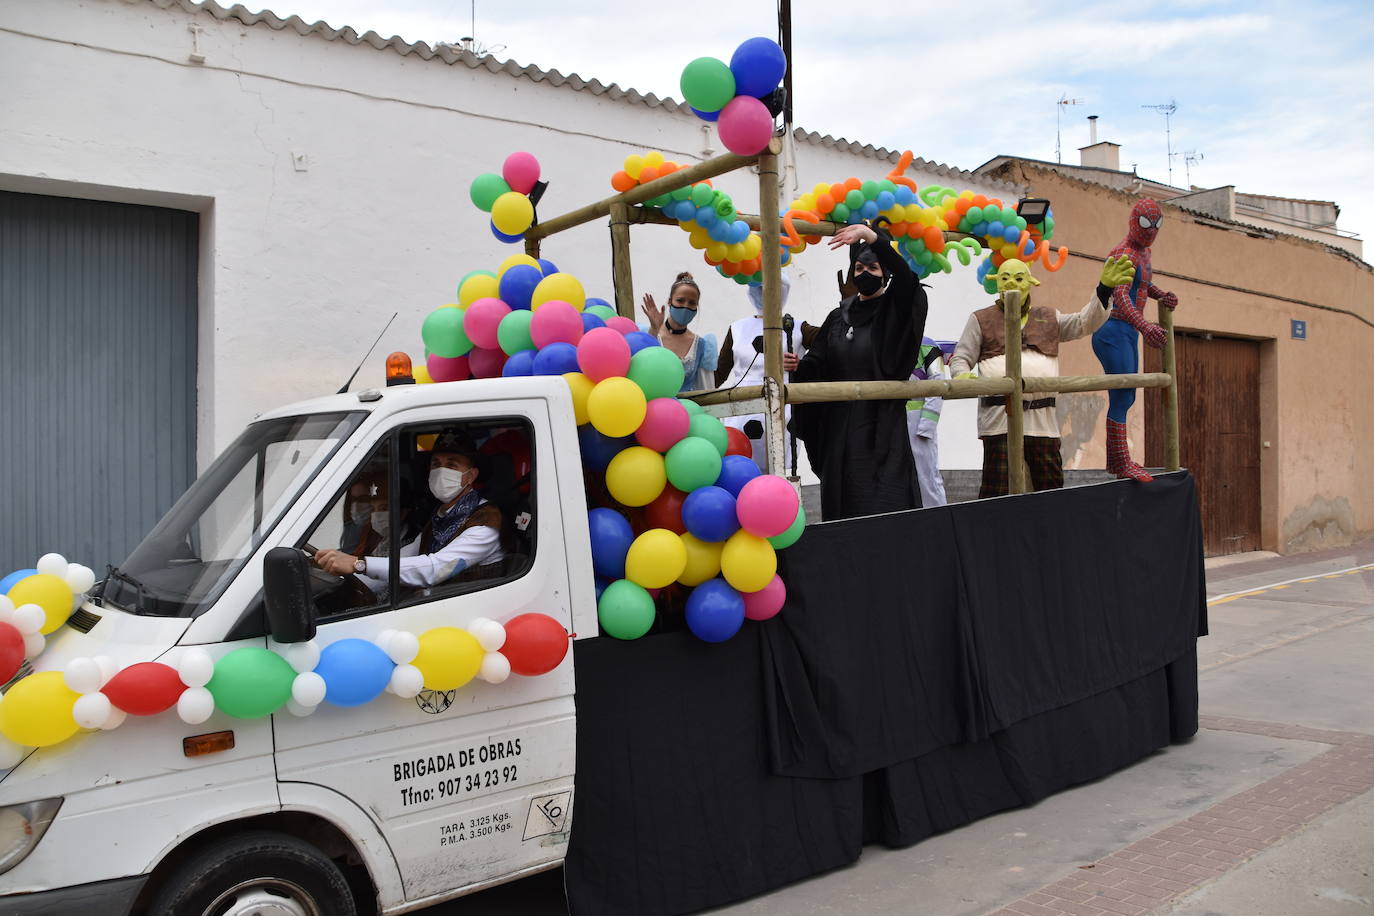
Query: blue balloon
739	231
354	671
855	217
601	583
598	449
758	65
521	363
502	237
638	340
593	300
715	611
611	537
995	228
904	195
786	256
13	578
1011	233
886	199
706	216
735	472
705	115
686	210
590	321
555	359
546	266
517	285
981	228
709	513
720	231
869	209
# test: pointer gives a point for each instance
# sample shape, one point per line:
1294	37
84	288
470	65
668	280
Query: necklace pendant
849	334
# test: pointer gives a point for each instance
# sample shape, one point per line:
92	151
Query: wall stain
1320	523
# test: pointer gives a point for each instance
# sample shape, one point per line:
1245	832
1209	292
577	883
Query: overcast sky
1274	97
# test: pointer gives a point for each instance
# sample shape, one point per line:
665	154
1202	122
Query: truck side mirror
286	591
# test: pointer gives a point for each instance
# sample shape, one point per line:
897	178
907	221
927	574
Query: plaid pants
1043	460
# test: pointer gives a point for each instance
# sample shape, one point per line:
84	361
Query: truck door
475	783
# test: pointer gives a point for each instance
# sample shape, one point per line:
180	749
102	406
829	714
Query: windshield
184	564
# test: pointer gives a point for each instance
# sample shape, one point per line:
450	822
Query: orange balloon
837	192
852	184
750	266
825	203
730	268
622	181
713	263
961	205
668	168
647	174
811	239
980	200
997	259
898	229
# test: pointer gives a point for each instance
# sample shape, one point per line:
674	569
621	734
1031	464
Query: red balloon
535	644
11	651
666	510
144	689
737	443
514	443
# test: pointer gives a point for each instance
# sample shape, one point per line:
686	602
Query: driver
462	536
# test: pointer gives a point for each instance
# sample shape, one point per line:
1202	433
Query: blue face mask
682	316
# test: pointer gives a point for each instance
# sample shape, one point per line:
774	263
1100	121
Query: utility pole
1058	109
1168	110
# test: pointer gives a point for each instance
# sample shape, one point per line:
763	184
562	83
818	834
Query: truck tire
260	872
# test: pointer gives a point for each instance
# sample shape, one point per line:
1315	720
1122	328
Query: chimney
1103	155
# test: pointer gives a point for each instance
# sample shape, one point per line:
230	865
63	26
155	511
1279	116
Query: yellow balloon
48	592
514	259
37	711
479	286
421	375
716	251
561	287
748	562
616	406
656	559
688	225
699	239
820	189
636	476
512	213
735	252
753	246
703	559
448	658
581	388
653	158
633	165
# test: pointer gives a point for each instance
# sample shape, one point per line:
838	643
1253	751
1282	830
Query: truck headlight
21	827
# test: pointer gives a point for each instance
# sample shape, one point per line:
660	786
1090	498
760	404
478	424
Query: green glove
1118	271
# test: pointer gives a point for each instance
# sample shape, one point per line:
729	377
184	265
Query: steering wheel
335	594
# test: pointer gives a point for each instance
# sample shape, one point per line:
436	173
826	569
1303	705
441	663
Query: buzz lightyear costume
922	417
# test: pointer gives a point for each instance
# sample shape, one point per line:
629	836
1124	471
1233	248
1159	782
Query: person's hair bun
684	276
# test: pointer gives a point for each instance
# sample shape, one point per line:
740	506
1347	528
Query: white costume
747	367
922	418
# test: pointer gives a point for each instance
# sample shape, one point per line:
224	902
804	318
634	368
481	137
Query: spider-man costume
1115	342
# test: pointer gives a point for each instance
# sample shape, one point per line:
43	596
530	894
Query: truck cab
395	803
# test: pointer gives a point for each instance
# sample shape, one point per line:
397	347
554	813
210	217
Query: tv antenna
1167	110
1058	110
1189	158
469	42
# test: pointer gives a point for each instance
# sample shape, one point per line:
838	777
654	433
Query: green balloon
703	194
625	611
854	199
887	184
840	213
485	189
705	426
604	312
870	189
707	84
443	332
725	208
657	371
692	407
251	682
513	333
694	462
681	193
793	532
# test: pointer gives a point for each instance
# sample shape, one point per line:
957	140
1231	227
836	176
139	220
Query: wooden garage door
1219	434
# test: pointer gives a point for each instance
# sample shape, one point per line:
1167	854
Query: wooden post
532	248
621	275
769	232
1171	456
1016	421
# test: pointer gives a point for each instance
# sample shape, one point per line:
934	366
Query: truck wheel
261	873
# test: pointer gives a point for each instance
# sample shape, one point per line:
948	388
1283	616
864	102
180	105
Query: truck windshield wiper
140	591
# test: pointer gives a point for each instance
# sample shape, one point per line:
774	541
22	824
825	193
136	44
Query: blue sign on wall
1299	329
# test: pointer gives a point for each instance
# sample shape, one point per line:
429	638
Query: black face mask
867	284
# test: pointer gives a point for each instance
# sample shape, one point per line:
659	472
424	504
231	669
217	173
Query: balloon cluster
707	215
507	196
251	682
1006	233
732	95
35	602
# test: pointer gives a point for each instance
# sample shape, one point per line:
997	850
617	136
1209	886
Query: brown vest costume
1041	332
484	516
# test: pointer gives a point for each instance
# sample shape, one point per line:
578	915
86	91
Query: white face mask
445	483
380	522
358	512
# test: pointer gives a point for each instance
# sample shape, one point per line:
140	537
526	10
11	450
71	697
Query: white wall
301	268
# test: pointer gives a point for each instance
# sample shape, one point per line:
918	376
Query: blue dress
699	365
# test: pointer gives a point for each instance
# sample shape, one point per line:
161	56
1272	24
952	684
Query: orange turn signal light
200	745
398	369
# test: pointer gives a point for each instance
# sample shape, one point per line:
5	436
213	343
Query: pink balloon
767	506
486	362
448	369
521	171
481	320
767	601
555	322
603	353
666	423
621	325
745	126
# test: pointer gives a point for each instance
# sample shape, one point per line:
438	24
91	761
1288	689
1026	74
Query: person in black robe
859	449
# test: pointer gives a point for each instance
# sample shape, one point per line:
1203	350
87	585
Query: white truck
395	804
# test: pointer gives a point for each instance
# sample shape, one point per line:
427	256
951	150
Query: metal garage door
98	374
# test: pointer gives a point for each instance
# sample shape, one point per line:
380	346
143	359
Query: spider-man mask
1146	218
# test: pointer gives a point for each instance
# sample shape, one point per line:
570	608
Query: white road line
1219	599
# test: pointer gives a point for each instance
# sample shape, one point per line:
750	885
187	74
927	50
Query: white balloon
11	753
302	656
83	676
28	618
406	681
383	640
114	719
52	564
489	633
195	705
195	669
495	668
402	647
308	689
92	710
79	578
108	668
298	710
34	644
6	609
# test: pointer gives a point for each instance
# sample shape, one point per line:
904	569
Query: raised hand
653	313
851	234
1118	271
